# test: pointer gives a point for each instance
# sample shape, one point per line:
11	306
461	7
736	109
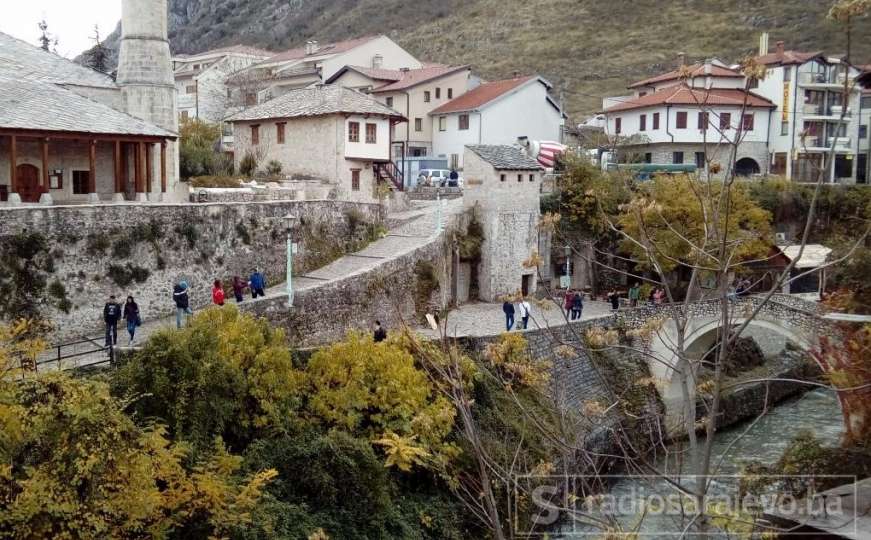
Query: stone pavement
409	230
486	319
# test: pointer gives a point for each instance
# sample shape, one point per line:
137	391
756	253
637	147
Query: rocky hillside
587	48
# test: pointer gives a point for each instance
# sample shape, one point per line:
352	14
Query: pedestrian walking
239	286
568	301
182	302
659	296
380	334
131	315
651	296
577	306
508	309
525	312
111	316
614	298
218	293
257	282
634	294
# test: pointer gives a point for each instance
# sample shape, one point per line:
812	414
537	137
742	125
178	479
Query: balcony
841	143
830	81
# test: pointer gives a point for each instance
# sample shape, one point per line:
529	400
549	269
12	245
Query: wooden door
27	183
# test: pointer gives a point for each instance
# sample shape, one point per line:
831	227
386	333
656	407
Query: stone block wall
161	244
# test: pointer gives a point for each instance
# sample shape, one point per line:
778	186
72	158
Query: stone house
496	113
69	134
502	188
332	133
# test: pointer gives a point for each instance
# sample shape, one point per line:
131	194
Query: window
648	157
703	121
677	158
520	178
80	182
279	132
642	123
501	177
700	160
426	96
355	179
747	124
250	99
184	115
353	131
618	125
725	121
642	94
787	74
192	89
255	134
532	178
450	93
753	83
371	133
455	161
784	128
438	93
865	102
389	102
656	120
681	120
443	123
229	93
464	121
863	132
418	124
56	180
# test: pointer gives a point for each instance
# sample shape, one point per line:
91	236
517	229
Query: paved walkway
409	230
485	319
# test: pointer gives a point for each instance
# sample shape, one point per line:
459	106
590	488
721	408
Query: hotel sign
785	117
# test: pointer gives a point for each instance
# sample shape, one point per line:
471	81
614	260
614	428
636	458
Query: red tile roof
684	95
785	58
695	70
328	48
413	77
483	94
379	74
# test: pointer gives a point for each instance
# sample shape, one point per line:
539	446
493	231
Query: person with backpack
182	302
634	294
218	293
508	310
131	315
111	316
525	312
380	334
614	298
257	282
239	286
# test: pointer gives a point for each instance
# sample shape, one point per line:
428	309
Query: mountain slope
587	48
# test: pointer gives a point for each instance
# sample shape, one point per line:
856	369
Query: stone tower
145	73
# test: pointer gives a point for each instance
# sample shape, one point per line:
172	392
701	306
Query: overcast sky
70	21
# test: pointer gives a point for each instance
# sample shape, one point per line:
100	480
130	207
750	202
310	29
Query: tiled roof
483	94
684	95
413	77
785	58
316	101
505	157
694	70
22	60
327	48
378	74
238	49
29	104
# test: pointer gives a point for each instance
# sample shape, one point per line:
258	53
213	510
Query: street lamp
566	279
291	223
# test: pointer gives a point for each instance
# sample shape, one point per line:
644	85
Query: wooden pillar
116	158
137	168
149	169
45	184
125	164
163	166
13	156
92	160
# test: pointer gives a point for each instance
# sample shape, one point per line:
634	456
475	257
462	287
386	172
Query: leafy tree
669	218
587	196
197	148
98	56
44	37
24	262
74	465
226	374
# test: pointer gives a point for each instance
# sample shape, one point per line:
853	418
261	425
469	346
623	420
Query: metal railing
61	353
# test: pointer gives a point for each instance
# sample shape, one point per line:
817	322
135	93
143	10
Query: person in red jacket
218	293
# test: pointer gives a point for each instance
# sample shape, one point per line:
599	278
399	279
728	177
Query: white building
201	80
337	135
496	113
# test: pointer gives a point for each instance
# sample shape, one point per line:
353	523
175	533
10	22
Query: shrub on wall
248	165
127	274
23	260
216	181
273	168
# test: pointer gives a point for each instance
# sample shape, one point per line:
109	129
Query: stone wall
160	244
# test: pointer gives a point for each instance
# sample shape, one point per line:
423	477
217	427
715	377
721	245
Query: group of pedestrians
256	284
573	303
113	313
523	307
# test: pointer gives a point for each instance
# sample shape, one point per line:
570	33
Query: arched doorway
746	167
27	183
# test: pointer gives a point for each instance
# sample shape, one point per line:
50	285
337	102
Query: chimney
763	43
681	59
779	46
709	66
311	47
377	61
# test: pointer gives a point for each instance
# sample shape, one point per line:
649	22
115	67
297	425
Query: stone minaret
145	74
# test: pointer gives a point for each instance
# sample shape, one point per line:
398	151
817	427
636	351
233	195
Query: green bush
122	248
97	244
273	168
198	143
216	181
248	165
127	274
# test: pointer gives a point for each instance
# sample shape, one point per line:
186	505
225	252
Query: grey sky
71	21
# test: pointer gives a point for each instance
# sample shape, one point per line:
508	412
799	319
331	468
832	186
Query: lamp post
566	279
291	223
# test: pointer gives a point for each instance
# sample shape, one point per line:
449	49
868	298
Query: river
764	441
